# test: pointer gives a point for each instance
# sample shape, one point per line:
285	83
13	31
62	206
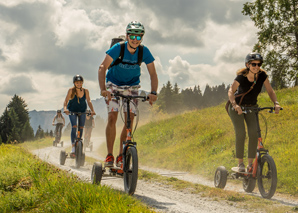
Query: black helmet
78	78
58	111
253	56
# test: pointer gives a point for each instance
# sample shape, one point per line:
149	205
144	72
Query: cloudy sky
44	43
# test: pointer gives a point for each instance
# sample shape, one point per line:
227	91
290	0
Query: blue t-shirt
126	74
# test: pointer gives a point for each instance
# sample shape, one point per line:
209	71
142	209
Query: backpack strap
140	54
119	60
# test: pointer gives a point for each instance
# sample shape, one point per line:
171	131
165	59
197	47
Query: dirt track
162	198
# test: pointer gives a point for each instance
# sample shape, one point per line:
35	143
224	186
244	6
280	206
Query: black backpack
121	40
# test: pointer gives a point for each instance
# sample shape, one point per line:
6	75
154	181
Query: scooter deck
235	169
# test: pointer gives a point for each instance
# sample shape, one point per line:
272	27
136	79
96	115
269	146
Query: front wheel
220	177
96	173
131	170
62	157
79	154
267	176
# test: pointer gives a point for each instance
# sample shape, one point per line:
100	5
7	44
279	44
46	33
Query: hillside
200	141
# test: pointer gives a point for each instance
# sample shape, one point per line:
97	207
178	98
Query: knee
112	119
74	126
81	127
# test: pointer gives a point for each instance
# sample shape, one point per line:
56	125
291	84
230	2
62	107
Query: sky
44	43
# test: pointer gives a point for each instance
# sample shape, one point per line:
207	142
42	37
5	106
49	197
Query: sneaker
249	168
72	155
241	167
109	162
119	160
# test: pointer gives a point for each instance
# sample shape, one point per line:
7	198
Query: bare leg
124	132
111	131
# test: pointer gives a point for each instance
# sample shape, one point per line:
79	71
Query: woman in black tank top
75	101
252	76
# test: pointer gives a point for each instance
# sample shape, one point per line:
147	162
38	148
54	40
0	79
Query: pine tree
15	131
51	133
27	132
5	125
20	108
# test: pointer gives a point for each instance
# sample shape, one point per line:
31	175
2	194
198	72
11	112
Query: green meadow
28	184
201	140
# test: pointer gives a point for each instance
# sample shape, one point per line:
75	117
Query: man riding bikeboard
252	76
60	122
125	78
75	101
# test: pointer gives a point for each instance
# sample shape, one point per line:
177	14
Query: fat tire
249	184
96	173
220	177
130	175
267	164
62	157
79	154
83	159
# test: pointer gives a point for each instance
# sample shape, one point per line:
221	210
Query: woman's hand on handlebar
276	108
66	112
93	113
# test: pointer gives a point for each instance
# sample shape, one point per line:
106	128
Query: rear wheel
249	184
220	177
79	154
131	170
267	176
96	173
62	157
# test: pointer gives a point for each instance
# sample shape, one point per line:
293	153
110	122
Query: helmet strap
132	47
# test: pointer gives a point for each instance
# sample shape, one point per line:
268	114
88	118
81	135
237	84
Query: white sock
73	149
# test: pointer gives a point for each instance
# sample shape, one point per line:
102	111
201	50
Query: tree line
172	99
15	123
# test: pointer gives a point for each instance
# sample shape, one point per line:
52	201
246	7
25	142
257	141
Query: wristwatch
153	93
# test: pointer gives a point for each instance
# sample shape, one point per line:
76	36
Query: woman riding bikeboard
124	76
60	122
89	125
75	101
252	76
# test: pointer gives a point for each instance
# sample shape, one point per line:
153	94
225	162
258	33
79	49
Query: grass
200	141
28	184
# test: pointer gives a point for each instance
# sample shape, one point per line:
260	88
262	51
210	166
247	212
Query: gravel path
162	198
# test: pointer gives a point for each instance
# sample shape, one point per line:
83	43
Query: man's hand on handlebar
106	94
152	98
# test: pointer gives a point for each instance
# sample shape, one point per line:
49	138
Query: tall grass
202	140
28	184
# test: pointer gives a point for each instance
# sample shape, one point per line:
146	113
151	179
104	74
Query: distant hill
45	118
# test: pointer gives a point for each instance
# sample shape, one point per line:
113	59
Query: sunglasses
132	37
255	64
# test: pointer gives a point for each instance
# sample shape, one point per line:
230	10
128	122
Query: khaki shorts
114	105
